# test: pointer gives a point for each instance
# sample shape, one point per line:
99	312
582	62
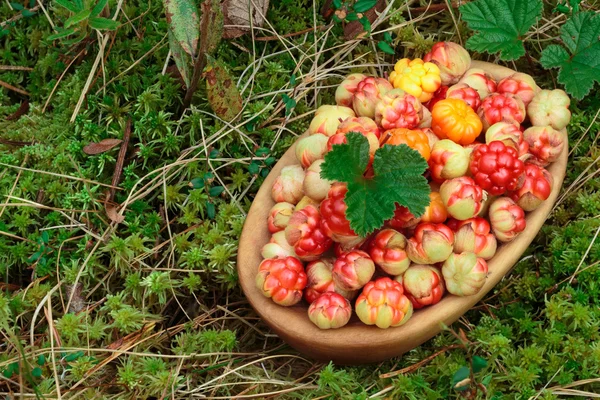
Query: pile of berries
487	144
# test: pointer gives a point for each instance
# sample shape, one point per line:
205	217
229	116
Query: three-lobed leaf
579	63
397	178
500	25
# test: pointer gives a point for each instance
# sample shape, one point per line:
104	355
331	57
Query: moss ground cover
128	289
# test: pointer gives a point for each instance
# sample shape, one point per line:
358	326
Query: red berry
282	279
333	216
402	218
304	232
496	167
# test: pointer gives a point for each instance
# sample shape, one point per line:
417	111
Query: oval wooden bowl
357	343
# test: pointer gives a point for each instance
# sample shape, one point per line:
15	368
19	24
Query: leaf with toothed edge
397	179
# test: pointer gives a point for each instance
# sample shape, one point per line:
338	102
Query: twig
18	17
120	160
200	62
14	68
287	35
13	88
23	109
420	363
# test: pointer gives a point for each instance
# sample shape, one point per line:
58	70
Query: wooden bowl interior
357	343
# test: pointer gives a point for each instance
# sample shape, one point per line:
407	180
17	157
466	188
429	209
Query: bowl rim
359	343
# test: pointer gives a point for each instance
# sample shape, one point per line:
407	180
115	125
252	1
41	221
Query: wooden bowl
357	343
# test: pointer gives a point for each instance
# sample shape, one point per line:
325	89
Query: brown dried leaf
113	215
237	12
101	147
223	96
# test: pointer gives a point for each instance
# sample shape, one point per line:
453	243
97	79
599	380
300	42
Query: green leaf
77	18
35	256
366	24
99	7
215	191
460	375
210	210
45	237
486	380
36	372
364	5
74	356
387	37
399	171
214	153
346	161
293	80
68	5
398	178
41	360
183	20
337	4
580	63
351	16
74	40
289	104
103	23
262	151
197	183
223	95
385	47
17	6
500	25
270	160
479	364
27	13
253	168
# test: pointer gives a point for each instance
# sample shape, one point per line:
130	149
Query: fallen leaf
102	146
237	12
182	17
113	215
223	95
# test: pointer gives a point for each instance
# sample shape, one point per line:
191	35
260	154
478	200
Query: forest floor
121	210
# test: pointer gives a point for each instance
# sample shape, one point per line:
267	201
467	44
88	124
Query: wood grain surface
357	343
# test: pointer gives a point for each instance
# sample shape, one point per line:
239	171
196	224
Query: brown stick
13	88
420	363
23	109
120	160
